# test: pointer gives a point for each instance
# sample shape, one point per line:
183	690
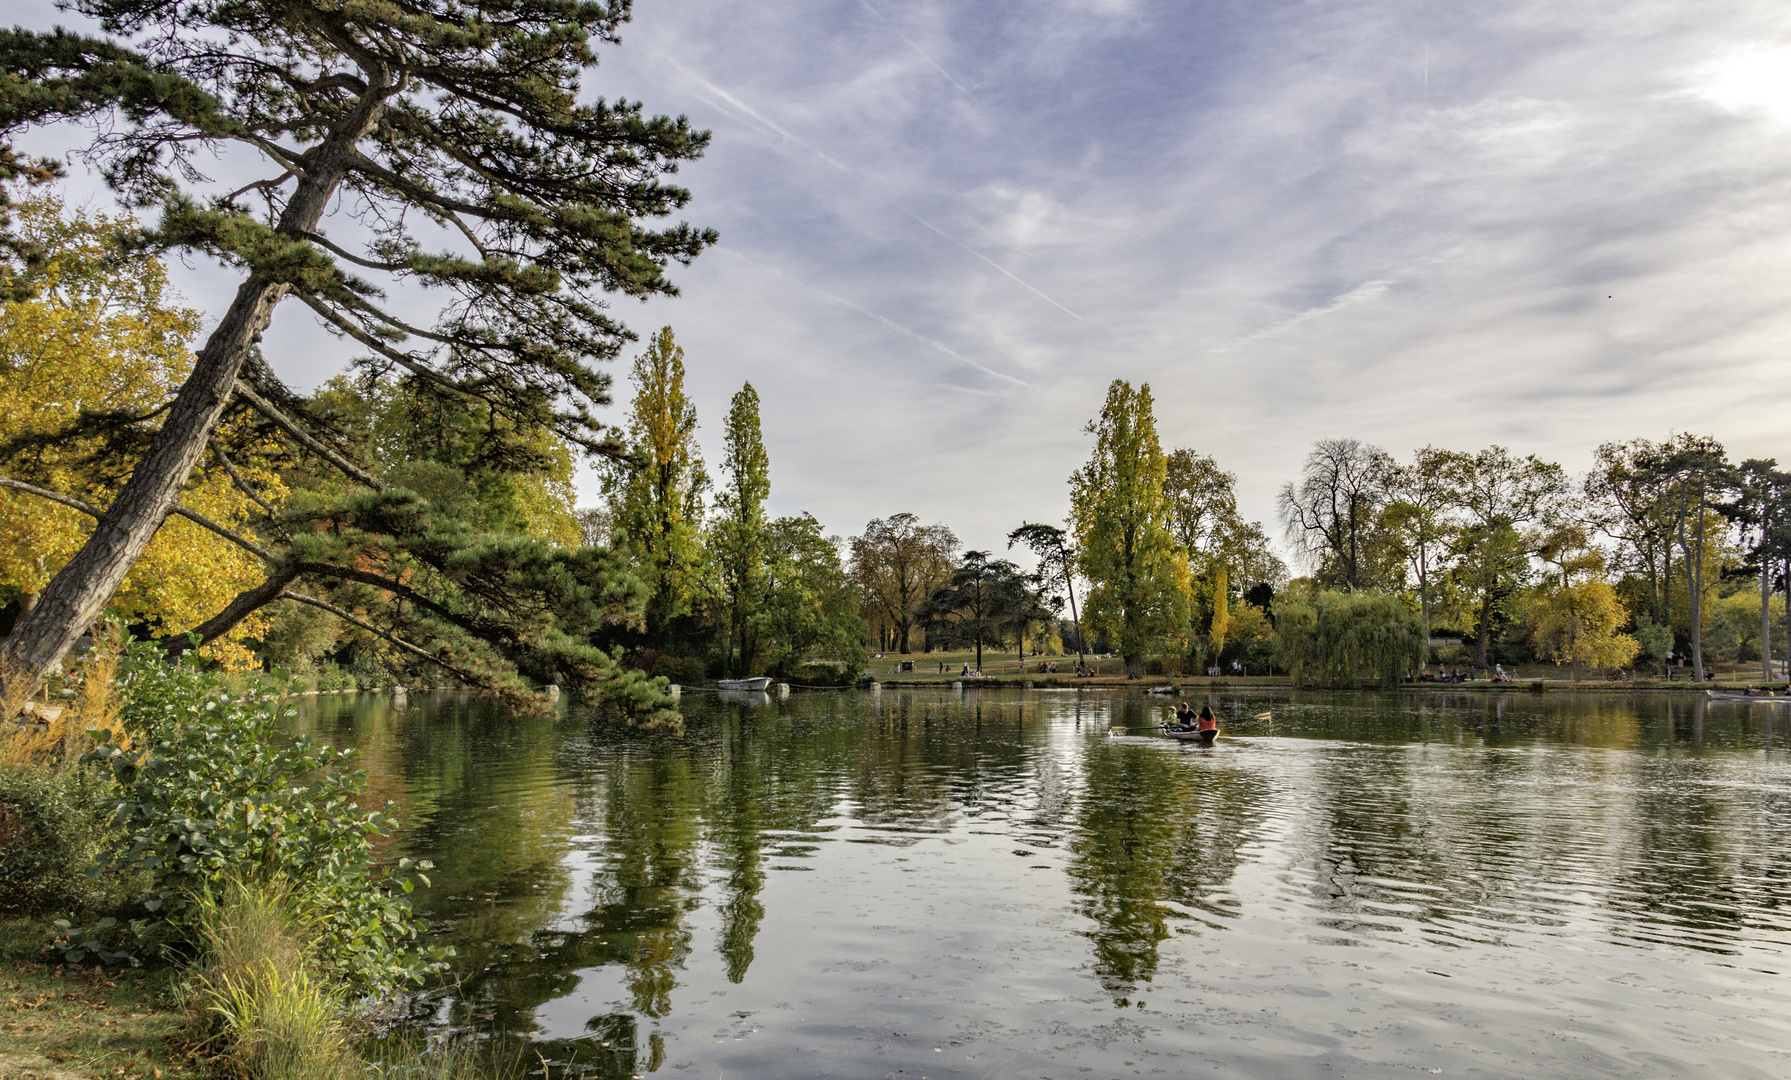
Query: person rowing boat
1188	726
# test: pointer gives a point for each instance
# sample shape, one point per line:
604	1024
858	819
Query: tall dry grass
38	728
276	1013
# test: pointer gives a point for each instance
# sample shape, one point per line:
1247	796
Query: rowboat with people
1730	695
1198	738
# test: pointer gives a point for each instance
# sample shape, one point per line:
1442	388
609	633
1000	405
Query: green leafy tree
1694	478
1765	507
656	493
1625	503
738	534
1417	520
1224	551
897	563
1121	517
1499	495
809	608
458	126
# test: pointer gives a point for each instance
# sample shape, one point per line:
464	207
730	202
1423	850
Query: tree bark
245	604
75	597
1765	619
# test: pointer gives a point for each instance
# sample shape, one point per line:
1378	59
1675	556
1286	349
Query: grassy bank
59	1022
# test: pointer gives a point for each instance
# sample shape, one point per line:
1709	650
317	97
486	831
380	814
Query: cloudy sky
946	227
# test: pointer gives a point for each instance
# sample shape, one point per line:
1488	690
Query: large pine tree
439	148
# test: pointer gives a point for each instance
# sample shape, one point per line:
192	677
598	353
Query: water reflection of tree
736	828
1133	819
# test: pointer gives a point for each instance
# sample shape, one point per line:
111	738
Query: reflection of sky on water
1359	879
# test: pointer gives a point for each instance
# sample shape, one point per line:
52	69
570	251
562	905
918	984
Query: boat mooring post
675	690
783	690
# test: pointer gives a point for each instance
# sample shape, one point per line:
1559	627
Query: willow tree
450	141
656	491
1121	518
738	537
1346	639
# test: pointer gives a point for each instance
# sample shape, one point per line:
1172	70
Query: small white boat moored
757	683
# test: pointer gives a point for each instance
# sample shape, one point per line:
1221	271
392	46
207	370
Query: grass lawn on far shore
885	667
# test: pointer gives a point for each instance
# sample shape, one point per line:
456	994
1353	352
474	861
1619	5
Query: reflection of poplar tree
656	495
652	880
1131	826
739	533
738	826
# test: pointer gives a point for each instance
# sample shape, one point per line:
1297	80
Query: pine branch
305	438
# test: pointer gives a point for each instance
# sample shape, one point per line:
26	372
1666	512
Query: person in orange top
1207	721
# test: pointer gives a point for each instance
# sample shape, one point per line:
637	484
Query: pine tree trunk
74	598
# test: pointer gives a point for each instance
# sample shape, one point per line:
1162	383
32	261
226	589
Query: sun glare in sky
1754	81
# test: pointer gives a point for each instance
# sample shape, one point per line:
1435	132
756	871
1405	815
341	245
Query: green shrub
823	674
213	791
52	825
332	677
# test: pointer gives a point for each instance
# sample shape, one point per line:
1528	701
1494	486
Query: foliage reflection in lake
933	883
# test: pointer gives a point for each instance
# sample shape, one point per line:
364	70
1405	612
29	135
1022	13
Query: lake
992	883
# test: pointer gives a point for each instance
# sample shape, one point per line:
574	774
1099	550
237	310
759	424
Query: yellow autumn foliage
104	336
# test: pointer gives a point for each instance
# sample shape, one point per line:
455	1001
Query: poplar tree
656	491
470	173
739	532
1121	515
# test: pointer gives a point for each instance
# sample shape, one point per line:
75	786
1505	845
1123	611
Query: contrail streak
997	266
917	49
890	323
761	118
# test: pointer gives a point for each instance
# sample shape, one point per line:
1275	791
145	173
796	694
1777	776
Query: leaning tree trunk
75	596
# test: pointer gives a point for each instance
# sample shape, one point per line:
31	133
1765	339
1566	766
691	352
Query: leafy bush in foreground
213	791
52	823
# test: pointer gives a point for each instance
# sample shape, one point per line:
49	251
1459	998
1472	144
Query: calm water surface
931	884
